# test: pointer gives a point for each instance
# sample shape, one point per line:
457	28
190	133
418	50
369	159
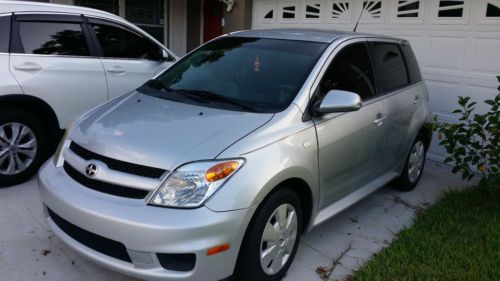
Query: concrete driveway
29	251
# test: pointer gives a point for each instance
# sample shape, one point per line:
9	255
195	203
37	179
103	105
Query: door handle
28	66
116	69
380	120
416	100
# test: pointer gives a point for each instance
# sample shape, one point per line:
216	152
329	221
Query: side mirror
338	101
163	56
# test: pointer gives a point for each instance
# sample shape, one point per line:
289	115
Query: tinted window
51	38
4	34
411	63
350	71
264	74
392	69
117	42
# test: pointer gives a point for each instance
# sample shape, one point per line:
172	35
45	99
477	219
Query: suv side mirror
163	56
338	101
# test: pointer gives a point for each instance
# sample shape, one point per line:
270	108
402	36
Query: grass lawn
456	239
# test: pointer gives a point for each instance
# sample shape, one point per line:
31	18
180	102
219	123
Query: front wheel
272	238
414	166
23	146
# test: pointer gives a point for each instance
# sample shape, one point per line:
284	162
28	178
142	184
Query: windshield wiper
158	85
210	96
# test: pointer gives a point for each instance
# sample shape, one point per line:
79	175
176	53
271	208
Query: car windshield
239	73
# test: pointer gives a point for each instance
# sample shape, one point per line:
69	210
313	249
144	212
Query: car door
129	57
401	98
52	59
349	143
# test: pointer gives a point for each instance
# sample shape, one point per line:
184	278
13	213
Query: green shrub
474	142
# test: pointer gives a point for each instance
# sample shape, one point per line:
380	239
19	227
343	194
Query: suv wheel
272	238
23	146
414	167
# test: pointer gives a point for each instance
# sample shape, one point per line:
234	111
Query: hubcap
278	239
416	161
18	148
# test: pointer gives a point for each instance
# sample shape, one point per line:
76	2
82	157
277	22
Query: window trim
313	90
48	17
9	36
335	54
337	47
380	91
89	20
16	47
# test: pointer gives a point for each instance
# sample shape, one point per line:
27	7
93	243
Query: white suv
56	62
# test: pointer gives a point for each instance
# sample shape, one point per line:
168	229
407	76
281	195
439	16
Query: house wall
240	17
178	26
194	24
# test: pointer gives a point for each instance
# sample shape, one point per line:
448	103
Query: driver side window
351	71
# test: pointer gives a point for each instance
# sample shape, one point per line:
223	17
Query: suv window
350	70
4	34
392	69
53	38
118	42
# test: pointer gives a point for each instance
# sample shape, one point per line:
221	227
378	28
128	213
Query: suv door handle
116	69
28	66
380	120
416	100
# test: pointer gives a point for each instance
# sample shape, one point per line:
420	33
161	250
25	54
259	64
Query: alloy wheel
416	161
18	147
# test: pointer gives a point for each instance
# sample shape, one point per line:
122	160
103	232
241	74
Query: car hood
161	133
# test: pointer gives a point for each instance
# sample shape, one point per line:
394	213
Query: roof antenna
360	15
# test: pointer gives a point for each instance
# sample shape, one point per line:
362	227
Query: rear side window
411	62
52	38
4	34
391	65
351	71
117	42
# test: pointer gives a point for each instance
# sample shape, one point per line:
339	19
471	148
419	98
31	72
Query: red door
213	11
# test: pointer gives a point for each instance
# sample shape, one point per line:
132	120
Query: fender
268	167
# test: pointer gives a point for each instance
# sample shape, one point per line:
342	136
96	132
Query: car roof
313	35
28	6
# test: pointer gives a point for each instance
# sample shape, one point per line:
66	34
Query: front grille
117	165
95	242
104	187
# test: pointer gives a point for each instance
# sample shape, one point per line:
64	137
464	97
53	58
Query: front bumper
143	230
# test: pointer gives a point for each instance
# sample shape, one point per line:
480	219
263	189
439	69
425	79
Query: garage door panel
443	95
486	56
445	53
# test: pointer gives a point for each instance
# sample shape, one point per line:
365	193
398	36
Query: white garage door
457	43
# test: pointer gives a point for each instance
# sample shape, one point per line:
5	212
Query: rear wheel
272	238
23	146
414	166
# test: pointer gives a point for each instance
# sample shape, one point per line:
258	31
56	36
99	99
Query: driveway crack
325	272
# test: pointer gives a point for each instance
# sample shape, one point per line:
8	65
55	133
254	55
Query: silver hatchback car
216	167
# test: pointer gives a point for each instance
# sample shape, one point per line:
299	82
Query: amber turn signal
218	249
221	170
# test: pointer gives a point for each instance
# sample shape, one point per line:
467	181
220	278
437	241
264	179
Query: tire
250	266
23	146
414	166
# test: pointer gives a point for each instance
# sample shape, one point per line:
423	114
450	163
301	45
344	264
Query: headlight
192	184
